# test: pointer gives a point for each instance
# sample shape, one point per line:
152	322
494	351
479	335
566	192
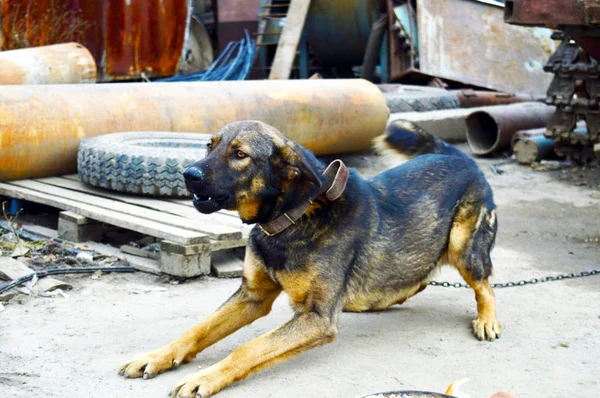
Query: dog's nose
194	175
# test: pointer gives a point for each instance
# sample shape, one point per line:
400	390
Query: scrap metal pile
575	89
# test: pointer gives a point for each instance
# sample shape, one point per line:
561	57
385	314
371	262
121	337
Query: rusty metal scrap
468	42
492	130
126	37
469	98
575	87
552	13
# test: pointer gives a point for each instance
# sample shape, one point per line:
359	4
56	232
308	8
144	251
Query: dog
332	241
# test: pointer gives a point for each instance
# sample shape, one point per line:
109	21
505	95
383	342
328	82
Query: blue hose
227	66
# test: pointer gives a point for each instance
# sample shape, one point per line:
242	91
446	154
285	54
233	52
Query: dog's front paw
151	363
486	328
202	384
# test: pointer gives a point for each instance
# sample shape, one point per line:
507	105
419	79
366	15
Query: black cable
62	271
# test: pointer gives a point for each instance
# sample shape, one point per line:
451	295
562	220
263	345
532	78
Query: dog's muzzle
205	200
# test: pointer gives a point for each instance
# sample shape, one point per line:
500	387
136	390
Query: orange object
41	126
58	64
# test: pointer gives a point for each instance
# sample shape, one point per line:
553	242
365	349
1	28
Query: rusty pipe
56	64
41	126
492	129
470	98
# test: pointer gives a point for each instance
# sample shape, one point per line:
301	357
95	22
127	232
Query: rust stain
549	13
126	37
144	36
469	42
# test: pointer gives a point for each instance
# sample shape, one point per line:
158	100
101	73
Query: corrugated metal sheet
126	37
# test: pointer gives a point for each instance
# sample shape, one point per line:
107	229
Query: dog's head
252	168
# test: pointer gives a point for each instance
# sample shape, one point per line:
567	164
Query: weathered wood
139	252
227	244
184	260
76	228
140	263
179	209
215	231
227	264
148	227
289	39
11	269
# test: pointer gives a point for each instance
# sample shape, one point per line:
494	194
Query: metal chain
533	281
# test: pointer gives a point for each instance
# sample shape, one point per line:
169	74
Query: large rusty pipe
41	126
492	129
56	64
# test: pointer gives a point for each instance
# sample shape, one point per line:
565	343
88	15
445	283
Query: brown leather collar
336	177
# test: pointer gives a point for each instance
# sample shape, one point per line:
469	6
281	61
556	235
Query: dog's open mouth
209	204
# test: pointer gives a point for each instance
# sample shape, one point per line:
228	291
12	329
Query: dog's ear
295	166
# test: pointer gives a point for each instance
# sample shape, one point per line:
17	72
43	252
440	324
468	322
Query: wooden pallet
188	237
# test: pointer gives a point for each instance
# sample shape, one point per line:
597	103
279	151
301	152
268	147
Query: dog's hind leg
471	239
252	301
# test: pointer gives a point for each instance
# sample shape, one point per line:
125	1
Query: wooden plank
139	252
227	265
227	244
178	235
178	209
218	232
289	39
140	263
182	202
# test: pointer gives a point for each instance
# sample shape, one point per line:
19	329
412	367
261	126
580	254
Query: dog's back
435	209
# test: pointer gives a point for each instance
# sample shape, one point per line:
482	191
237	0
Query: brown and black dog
332	241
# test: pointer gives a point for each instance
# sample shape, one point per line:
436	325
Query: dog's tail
406	140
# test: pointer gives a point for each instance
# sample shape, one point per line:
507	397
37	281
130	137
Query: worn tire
421	99
147	163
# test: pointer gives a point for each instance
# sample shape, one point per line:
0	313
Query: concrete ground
550	347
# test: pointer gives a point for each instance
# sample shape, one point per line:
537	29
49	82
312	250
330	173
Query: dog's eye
209	145
240	154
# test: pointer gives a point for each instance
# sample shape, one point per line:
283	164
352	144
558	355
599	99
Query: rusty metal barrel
41	126
56	64
492	129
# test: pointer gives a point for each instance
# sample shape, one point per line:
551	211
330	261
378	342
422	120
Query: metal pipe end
483	133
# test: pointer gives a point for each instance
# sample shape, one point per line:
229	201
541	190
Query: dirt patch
588	176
